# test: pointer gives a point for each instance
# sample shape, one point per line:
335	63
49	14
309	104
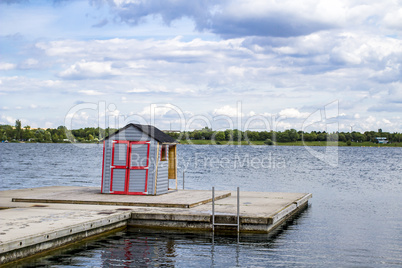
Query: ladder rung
226	224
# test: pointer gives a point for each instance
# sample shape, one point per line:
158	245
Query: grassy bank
297	143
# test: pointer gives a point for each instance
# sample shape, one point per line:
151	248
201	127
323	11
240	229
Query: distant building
381	140
171	131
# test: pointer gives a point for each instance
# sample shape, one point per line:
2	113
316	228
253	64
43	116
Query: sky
182	65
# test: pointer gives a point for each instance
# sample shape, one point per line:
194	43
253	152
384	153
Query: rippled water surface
354	220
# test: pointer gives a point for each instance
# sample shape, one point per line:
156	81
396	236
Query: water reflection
138	247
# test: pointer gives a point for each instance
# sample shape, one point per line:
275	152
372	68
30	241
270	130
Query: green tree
397	137
251	135
220	136
27	133
306	137
348	136
313	136
55	138
61	132
206	133
264	135
310	136
39	135
370	136
333	137
283	136
174	135
47	136
90	137
18	131
322	136
196	135
228	134
293	135
357	136
342	137
237	135
268	142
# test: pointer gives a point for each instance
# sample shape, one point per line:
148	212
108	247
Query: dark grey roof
151	131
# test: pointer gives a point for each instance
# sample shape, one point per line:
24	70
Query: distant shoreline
223	143
297	143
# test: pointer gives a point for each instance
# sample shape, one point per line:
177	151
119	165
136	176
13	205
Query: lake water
354	218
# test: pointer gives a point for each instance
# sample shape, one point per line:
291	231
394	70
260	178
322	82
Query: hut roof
151	131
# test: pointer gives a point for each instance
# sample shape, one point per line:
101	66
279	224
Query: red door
129	169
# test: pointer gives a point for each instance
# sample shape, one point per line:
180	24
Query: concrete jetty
37	220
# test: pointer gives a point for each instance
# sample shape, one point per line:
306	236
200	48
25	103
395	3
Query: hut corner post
172	175
156	168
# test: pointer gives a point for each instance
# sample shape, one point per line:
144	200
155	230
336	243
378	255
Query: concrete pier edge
41	242
63	246
262	213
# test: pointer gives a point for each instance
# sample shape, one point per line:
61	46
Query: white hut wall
162	184
129	134
107	162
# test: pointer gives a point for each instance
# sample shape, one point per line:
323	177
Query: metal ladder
226	224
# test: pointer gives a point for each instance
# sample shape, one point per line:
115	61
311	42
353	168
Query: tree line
59	134
26	133
91	134
289	135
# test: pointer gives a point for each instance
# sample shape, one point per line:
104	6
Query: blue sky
188	64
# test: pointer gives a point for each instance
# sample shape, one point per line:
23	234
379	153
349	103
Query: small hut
138	160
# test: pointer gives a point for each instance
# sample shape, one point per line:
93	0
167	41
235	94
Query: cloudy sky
188	64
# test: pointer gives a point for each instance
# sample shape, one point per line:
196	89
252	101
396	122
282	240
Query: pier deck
39	219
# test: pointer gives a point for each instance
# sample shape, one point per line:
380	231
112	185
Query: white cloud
228	111
49	124
371	119
155	88
51	83
4	66
90	92
7	120
86	70
292	113
114	113
138	90
393	19
251	113
29	64
61	48
281	125
237	71
161	110
386	121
